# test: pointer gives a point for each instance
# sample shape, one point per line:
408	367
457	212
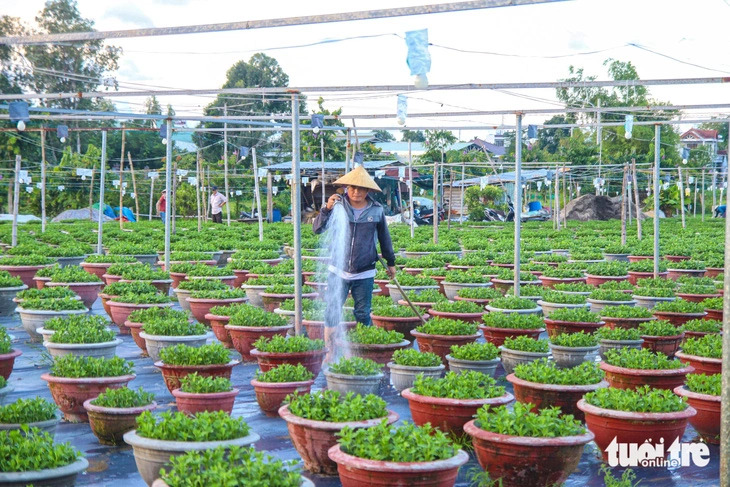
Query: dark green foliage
641	358
123	397
204	426
580	339
198	384
414	358
624	311
210	354
524	343
33	450
332	406
513	321
679	306
53	304
371	335
445	326
475	351
520	421
658	328
285	373
79	366
709	346
28	411
280	344
513	303
355	366
641	400
467	385
705	384
544	372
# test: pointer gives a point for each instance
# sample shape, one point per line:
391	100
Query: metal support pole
410	187
269	197
623	205
225	165
557	199
636	198
565	198
518	201
436	201
694	202
296	214
702	196
599	137
461	207
152	196
16	201
725	398
347	152
43	181
121	183
681	196
321	150
257	190
657	160
102	181
168	187
197	188
441	179
451	198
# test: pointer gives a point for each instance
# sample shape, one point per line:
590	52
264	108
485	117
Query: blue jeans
362	293
162	216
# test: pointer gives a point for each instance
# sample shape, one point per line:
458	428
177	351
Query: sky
509	44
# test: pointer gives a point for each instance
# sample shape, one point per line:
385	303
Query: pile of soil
592	207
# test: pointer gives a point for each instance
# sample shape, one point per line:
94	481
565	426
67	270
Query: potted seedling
179	272
35	413
277	350
115	411
45	293
601	298
398	318
255	286
643	269
597	274
689	268
160	279
204	393
703	394
411	284
630	368
144	253
202	301
697	293
617	252
423	299
479	295
617	338
247	324
661	336
313	320
314	419
458	310
408	363
218	317
437	335
553	301
114	272
383	455
624	316
354	374
276	384
213	360
514	304
10	286
555	275
635	416
700	328
117	289
82	336
505	279
186	288
32	458
703	353
454	281
572	320
479	357
713	308
25	267
498	326
167	328
156	440
274	295
521	350
372	342
7	354
574	288
72	380
98	264
572	349
122	306
679	311
544	385
35	312
648	297
512	445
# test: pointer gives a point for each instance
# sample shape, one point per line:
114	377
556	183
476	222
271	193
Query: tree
383	136
412	136
152	106
722	133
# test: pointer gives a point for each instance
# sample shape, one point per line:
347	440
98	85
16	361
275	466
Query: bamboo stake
43	181
91	195
681	196
197	187
152	196
134	186
623	206
121	183
636	198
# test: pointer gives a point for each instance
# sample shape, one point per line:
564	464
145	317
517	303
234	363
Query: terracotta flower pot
87	291
550	282
566	397
315	329
448	415
519	461
634	276
631	427
105	298
24	272
7	360
162	285
378	353
200	307
313	439
713	314
714	271
637	258
598	280
243	337
272	301
361	472
241	277
627	323
120	312
467	317
271	395
668	345
311	360
70	393
177	278
678	319
40	282
218	325
697	298
441	344
707	420
623	378
191	404
702	365
110	424
382	283
135	329
173	373
111	279
401	325
557	327
497	335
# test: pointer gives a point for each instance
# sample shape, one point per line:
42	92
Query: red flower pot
707	420
637	258
273	301
542	396
697	298
441	344
200	307
381	354
105	298
243	337
7	360
241	277
87	291
313	439
634	276
40	282
315	329
119	312
177	278
623	378
110	279
556	327
668	345
218	325
215	401
550	282
714	271
598	280
135	329
678	319
361	472
70	393
713	314
497	335
401	325
110	424
448	415
520	461
468	317
271	395
24	272
311	360
97	269
384	291
627	323
702	365
173	373
630	427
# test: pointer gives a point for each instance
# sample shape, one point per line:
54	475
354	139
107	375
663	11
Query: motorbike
540	215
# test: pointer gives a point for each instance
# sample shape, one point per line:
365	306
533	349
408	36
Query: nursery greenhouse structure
549	307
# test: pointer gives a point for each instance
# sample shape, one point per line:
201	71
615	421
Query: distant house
495	151
695	138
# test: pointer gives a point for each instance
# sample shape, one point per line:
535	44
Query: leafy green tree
412	136
383	136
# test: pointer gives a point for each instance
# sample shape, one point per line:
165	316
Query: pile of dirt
592	207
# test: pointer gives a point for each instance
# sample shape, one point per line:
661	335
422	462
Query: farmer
367	223
161	204
217	201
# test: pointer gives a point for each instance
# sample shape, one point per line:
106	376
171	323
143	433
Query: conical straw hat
359	177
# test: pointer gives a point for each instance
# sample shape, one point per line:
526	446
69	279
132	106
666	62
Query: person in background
161	203
217	201
367	225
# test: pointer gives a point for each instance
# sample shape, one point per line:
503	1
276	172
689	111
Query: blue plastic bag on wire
419	60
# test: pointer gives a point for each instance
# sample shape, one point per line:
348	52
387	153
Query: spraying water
336	240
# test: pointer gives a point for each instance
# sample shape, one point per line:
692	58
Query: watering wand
405	296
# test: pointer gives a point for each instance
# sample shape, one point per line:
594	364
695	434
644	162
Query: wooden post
269	197
628	191
10	197
134	186
565	200
16	201
694	202
225	165
681	196
636	198
91	195
702	196
451	197
623	206
197	187
173	201
43	180
206	195
257	192
152	196
121	183
557	199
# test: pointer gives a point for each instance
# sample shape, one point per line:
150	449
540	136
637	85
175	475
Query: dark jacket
363	254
